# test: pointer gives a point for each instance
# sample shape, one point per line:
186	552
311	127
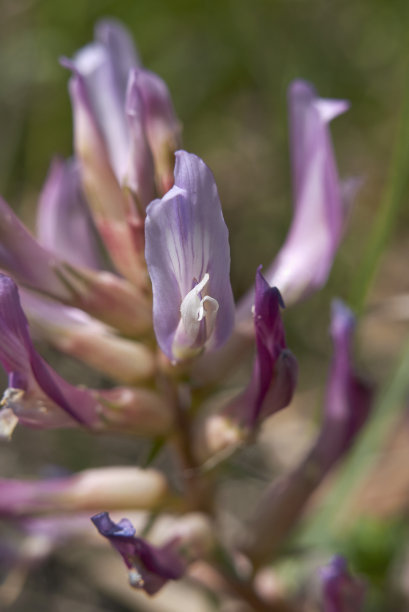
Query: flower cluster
129	272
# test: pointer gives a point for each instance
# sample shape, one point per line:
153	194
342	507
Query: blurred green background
228	64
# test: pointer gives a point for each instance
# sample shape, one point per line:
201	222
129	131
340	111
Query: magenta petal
28	372
304	262
64	225
150	566
341	591
187	251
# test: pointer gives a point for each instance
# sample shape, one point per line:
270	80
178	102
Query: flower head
188	258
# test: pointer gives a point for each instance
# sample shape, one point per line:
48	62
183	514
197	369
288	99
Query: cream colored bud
113	488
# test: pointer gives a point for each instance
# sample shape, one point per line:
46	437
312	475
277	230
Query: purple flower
347	407
37	395
150	567
103	67
275	368
188	258
342	592
304	262
64	225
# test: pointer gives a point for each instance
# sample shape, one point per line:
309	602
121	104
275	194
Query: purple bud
160	122
341	591
64	225
275	368
188	258
348	398
304	262
150	567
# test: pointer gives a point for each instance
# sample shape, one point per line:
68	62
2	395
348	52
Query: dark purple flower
275	368
150	567
37	396
188	258
341	591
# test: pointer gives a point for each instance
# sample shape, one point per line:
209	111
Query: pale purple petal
64	225
275	368
341	591
25	259
121	49
140	177
161	124
304	262
186	240
107	102
150	566
37	394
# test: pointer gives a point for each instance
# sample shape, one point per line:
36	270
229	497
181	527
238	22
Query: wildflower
188	258
150	567
38	397
348	405
320	203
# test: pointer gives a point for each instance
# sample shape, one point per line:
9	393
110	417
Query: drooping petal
188	258
274	374
161	124
64	225
341	591
304	262
150	567
76	333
